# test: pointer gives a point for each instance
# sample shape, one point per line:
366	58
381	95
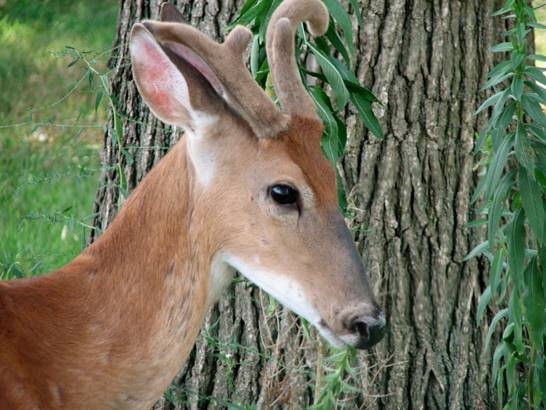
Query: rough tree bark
410	201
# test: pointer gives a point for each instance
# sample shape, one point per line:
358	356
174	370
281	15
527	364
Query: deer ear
174	82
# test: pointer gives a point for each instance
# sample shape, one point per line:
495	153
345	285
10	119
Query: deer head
263	197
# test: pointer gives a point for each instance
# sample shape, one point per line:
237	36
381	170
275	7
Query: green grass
50	129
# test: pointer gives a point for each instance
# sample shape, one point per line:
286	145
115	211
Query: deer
246	189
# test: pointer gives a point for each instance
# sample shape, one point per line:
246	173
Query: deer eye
284	194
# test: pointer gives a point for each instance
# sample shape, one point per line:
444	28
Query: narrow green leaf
118	130
533	109
333	76
477	251
342	134
515	308
255	56
541	255
490	101
500	352
502	10
329	146
481	137
541	375
523	150
248	4
541	92
364	108
517	87
540	134
535	303
532	198
476	223
539	380
496	269
364	92
516	248
250	10
497	165
262	74
353	87
500	69
341	194
502	47
498	110
485	298
537	57
496	80
507	115
333	37
324	109
538	26
508	333
340	15
98	99
496	208
500	384
329	141
264	15
501	314
536	74
511	380
74	61
357	11
90	79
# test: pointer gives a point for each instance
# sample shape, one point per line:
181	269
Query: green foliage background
50	131
513	188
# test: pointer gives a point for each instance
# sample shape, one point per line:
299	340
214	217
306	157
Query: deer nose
369	329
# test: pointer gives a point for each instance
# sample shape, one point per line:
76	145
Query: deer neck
148	276
156	249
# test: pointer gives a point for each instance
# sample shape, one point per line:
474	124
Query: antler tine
280	51
223	66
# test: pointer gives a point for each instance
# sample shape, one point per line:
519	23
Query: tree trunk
409	197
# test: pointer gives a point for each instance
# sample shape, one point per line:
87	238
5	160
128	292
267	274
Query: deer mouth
336	341
360	337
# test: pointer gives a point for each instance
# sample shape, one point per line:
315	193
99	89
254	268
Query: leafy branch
513	188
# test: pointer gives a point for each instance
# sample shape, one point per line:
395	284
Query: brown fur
302	144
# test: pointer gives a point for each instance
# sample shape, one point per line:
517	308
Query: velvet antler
223	67
280	51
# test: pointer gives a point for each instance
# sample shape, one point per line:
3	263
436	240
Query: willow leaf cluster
512	187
